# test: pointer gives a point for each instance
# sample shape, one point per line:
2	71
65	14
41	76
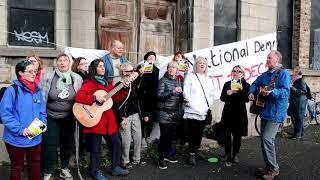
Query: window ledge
18	51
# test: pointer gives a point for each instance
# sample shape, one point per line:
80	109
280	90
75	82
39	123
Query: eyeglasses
32	71
130	71
237	71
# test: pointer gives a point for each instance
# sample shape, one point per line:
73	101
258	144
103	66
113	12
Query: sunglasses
235	71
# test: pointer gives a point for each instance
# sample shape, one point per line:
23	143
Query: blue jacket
17	113
108	64
276	105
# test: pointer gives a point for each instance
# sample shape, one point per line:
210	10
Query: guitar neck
114	91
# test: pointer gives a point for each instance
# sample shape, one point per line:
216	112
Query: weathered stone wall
257	18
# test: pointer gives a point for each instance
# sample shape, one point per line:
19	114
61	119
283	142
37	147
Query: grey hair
200	58
278	54
124	67
172	64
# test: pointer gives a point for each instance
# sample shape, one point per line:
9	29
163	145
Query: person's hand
146	119
27	132
178	89
264	92
141	70
126	83
230	92
251	97
124	123
100	99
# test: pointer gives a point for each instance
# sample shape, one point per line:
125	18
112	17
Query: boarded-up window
31	23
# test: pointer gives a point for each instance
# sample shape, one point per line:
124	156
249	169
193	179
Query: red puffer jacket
107	123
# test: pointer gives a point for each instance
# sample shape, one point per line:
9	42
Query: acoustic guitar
90	115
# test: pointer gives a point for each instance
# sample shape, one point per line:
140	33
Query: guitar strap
276	77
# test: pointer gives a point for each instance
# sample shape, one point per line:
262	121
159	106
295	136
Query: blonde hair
200	59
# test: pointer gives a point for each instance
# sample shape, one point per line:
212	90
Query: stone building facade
164	26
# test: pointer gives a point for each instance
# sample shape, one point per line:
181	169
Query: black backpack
308	93
3	89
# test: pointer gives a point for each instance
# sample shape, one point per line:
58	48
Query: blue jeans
298	127
269	131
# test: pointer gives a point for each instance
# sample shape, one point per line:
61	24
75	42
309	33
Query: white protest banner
251	54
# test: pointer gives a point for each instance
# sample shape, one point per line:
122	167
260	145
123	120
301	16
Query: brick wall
301	33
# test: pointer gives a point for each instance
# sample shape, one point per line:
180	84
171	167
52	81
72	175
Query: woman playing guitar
107	126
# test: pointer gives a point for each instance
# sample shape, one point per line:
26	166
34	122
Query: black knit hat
149	54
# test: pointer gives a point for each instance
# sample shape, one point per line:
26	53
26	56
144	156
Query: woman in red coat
107	126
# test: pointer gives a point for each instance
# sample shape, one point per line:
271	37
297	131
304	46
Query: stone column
301	33
82	23
62	24
203	24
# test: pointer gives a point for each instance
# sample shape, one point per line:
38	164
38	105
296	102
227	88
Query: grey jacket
47	80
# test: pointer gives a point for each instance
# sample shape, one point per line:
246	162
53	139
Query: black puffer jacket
168	99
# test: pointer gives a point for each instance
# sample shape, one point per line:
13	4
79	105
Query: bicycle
313	110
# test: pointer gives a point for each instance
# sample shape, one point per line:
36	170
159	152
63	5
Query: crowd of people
179	101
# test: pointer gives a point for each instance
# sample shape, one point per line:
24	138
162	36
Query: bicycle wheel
257	122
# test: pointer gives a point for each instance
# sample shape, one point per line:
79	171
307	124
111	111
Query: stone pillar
203	24
301	33
82	23
62	24
3	22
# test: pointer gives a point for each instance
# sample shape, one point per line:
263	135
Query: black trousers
232	144
167	135
195	132
60	133
94	146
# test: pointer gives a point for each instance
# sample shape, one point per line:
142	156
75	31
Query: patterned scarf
64	79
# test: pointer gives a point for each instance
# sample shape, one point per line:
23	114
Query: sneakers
144	143
99	176
162	165
228	164
47	176
192	159
65	174
142	163
171	159
127	165
236	159
270	175
118	171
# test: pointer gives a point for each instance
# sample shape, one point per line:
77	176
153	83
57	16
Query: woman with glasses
38	64
130	124
59	89
21	104
80	66
234	115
